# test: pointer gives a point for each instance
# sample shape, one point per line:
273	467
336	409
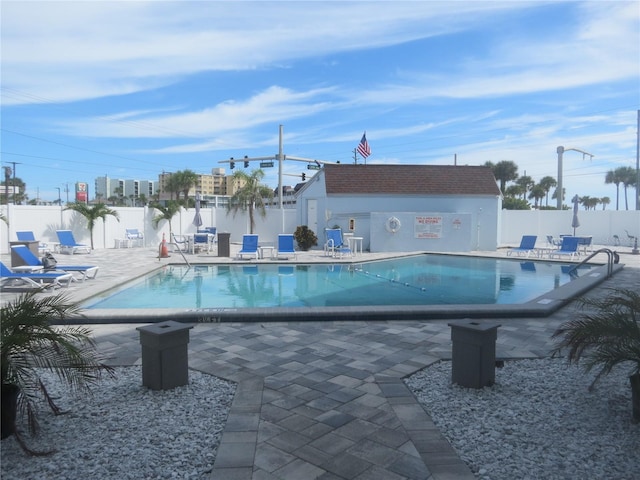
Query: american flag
363	147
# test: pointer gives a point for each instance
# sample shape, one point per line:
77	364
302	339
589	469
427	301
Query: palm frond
606	334
30	344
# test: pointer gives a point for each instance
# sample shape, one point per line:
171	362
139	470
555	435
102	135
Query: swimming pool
410	287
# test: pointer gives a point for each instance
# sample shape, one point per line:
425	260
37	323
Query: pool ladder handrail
612	257
180	252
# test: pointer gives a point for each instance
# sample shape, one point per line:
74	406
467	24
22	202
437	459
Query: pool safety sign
428	227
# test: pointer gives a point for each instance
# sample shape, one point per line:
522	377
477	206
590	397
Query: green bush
305	237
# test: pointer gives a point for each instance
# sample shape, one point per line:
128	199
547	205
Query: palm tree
186	181
92	213
605	201
628	177
537	193
589	202
504	171
29	343
606	335
548	183
615	177
167	212
526	182
513	191
172	185
250	196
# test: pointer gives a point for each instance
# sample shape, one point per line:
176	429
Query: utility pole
312	164
355	156
561	150
14	181
638	165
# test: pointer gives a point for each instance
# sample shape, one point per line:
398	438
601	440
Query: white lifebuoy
392	225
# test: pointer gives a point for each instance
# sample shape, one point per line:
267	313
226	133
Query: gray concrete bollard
473	358
165	362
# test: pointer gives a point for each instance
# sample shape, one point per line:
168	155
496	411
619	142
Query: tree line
523	187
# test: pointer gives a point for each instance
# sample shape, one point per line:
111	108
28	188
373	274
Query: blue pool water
417	280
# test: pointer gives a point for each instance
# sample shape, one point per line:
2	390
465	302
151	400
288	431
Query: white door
312	215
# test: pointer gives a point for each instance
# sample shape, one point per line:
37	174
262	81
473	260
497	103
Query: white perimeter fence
43	221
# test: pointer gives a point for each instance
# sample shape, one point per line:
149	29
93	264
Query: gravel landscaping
539	421
126	431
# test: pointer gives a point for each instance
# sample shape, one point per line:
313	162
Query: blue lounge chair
285	245
87	271
249	246
335	245
33	279
569	248
68	243
527	246
28	236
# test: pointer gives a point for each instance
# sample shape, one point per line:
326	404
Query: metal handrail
181	253
611	259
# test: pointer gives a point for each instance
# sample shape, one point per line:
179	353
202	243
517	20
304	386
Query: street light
561	150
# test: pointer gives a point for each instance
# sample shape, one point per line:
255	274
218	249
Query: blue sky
129	89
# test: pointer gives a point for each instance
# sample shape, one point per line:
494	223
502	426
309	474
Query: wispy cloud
96	49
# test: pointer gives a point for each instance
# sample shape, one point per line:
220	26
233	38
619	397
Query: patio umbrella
197	220
575	223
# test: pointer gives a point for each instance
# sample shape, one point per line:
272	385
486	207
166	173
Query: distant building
128	190
209	185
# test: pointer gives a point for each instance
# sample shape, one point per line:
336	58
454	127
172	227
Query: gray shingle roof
409	180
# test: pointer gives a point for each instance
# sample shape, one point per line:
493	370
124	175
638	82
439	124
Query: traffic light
304	177
232	164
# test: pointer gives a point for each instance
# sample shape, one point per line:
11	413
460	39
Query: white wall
601	224
43	221
512	224
457	233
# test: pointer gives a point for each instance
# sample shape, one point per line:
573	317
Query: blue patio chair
201	242
553	242
335	246
68	243
36	280
249	246
527	246
180	242
285	245
569	248
135	236
27	256
210	230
